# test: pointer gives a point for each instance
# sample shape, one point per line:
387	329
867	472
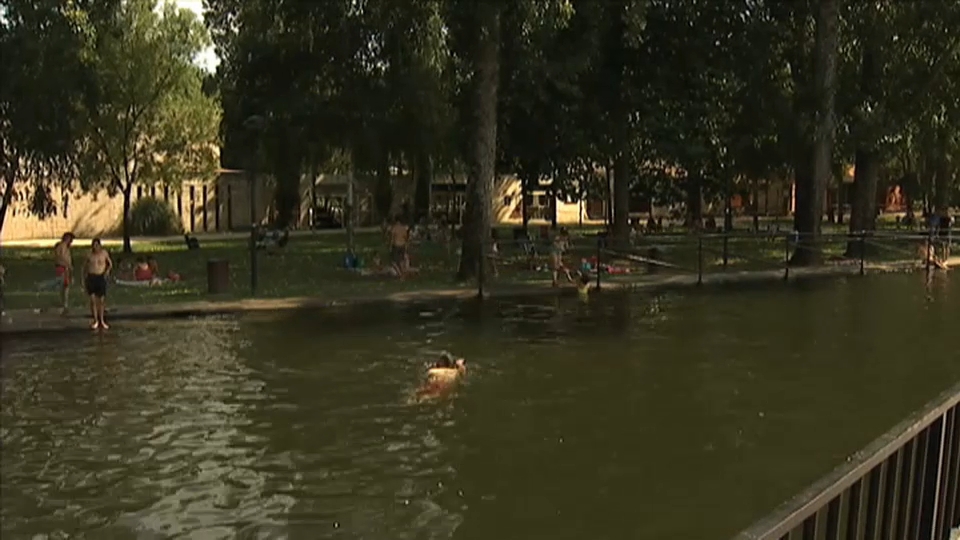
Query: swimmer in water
442	376
583	286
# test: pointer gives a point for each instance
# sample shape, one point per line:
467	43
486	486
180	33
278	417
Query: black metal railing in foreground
905	485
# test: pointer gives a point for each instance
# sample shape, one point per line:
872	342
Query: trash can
218	276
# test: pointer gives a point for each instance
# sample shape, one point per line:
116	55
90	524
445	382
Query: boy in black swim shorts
96	270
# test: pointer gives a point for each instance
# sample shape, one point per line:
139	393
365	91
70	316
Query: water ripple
571	417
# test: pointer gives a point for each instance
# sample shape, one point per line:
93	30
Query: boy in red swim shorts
63	267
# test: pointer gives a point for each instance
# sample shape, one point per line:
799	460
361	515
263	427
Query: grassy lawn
311	265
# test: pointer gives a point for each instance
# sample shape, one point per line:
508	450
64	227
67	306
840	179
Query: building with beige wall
223	204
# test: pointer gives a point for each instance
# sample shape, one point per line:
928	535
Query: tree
484	83
898	63
147	119
43	44
547	47
810	205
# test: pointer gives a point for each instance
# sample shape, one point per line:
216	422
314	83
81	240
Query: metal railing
905	485
858	249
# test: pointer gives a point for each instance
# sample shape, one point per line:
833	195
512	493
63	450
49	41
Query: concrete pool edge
18	322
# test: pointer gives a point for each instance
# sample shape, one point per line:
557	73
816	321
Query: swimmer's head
447	360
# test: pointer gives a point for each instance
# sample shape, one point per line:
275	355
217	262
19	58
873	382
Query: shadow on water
678	415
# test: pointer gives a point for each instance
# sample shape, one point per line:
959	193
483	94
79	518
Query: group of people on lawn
398	237
96	271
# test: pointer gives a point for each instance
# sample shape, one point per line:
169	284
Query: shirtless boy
399	238
96	269
560	244
63	266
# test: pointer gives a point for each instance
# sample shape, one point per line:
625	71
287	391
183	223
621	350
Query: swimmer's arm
109	262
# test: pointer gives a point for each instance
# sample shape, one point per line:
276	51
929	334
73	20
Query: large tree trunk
607	172
621	125
525	211
552	208
621	196
423	170
127	247
863	212
383	192
806	215
486	68
808	218
694	189
8	185
943	181
287	191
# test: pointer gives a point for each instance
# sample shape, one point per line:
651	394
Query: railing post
253	259
939	485
699	259
786	257
596	267
726	253
949	241
863	252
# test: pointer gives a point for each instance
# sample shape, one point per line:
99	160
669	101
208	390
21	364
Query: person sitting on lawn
125	270
155	271
142	271
378	269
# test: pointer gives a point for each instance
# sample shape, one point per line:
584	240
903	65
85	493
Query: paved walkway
29	321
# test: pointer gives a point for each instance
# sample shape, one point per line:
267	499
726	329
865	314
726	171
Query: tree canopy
102	95
146	119
683	103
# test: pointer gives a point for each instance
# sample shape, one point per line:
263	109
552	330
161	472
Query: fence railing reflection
905	485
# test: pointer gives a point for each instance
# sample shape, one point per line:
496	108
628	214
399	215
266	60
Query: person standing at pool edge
97	268
399	238
63	266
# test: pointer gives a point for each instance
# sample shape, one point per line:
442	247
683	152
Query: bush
153	217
